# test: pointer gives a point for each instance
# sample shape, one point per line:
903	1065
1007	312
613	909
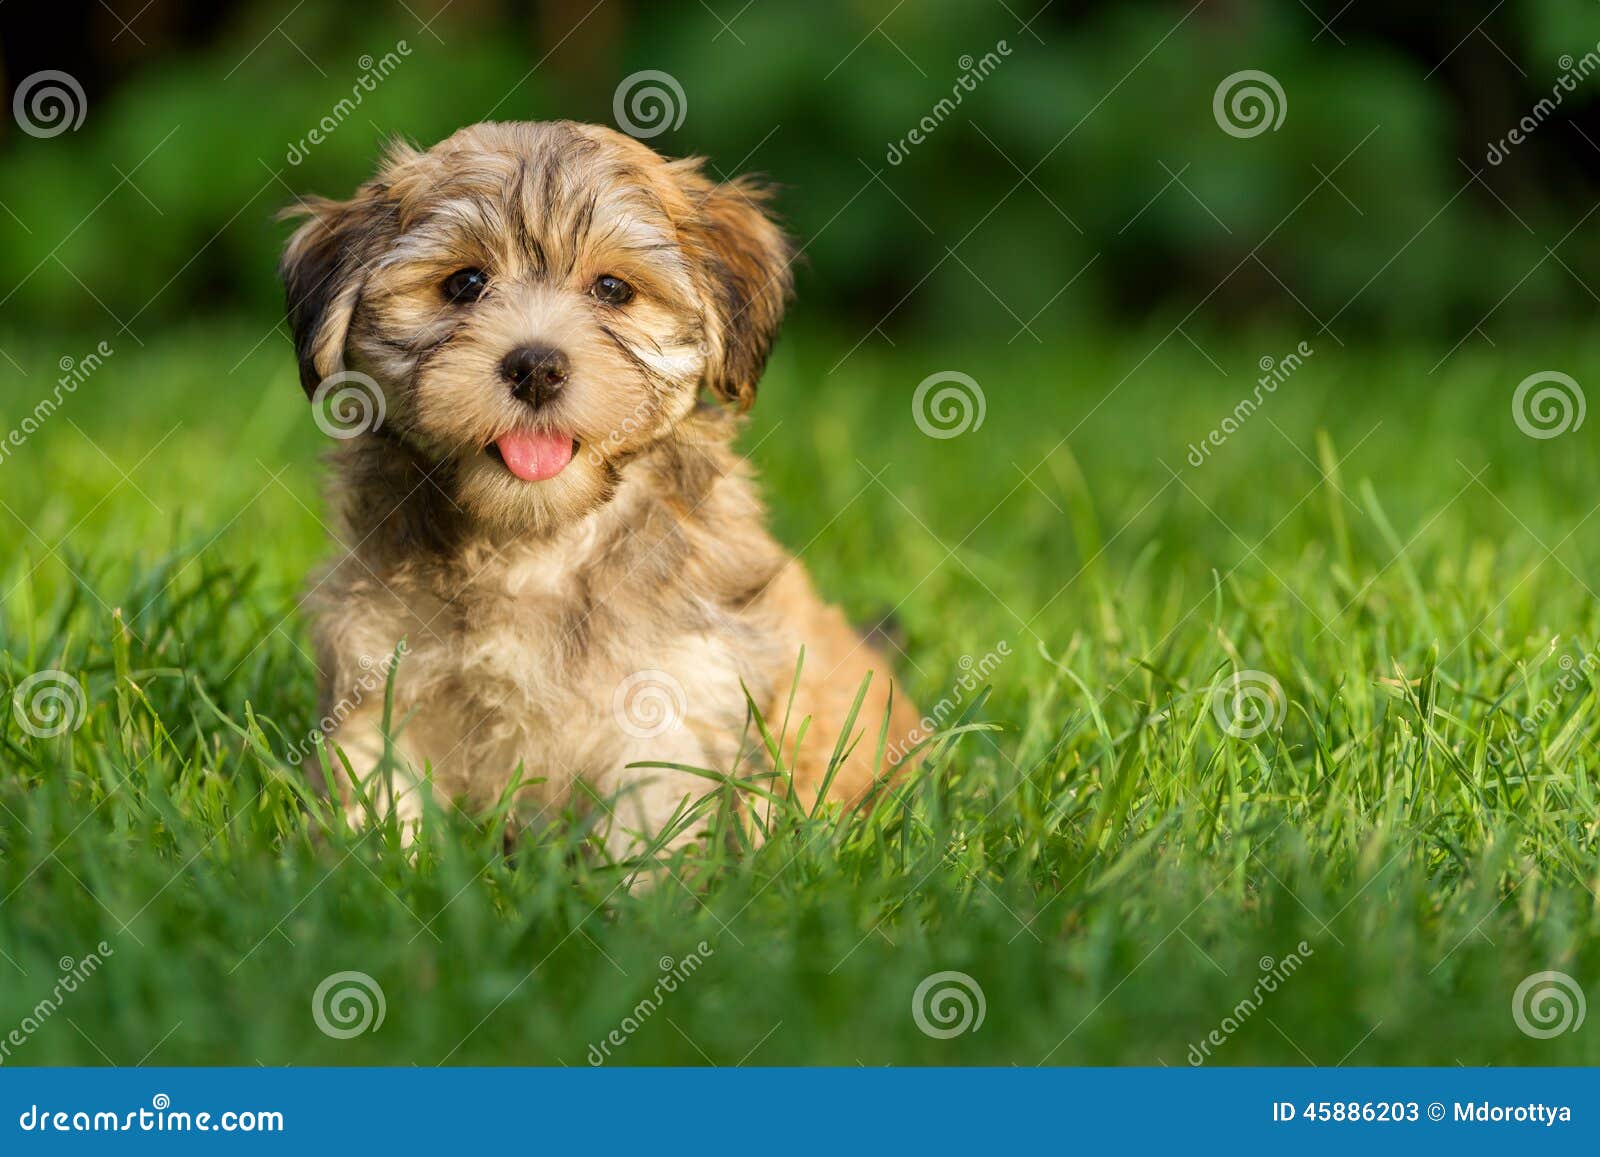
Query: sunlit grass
1405	568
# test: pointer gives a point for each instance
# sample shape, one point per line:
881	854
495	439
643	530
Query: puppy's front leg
386	772
645	801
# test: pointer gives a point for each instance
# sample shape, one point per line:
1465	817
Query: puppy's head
537	304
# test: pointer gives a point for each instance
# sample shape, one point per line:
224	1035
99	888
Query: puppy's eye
465	285
612	290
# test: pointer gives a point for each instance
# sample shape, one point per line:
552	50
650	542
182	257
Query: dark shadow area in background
1397	105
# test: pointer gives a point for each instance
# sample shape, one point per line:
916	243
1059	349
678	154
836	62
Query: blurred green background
1082	181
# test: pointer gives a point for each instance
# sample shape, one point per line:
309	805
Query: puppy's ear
745	259
322	273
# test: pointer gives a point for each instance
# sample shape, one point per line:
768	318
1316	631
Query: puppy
545	512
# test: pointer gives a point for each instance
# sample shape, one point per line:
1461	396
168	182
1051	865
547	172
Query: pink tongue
535	457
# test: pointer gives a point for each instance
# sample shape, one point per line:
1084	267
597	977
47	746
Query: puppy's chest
554	644
535	626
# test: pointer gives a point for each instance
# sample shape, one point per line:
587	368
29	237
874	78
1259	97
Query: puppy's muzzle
536	373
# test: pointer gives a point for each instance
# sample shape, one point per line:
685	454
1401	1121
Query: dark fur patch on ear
746	258
321	273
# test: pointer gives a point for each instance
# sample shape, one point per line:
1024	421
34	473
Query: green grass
1109	866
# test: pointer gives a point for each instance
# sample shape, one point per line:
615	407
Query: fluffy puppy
557	328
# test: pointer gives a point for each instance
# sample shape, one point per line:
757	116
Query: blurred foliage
1090	152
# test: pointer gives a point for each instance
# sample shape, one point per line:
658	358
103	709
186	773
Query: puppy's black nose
536	372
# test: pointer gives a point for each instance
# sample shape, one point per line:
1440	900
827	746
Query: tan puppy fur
572	624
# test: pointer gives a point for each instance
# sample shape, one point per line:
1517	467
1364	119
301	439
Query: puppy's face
538	303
